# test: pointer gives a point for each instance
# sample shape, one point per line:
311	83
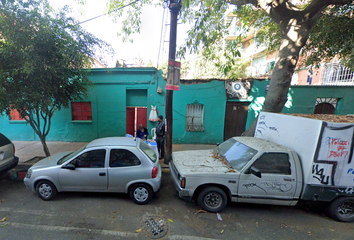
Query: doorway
136	109
235	119
135	117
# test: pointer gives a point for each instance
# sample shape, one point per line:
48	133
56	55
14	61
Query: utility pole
175	7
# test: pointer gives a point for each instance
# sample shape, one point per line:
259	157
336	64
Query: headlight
29	173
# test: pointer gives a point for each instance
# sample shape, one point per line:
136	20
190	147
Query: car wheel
342	209
212	199
141	193
46	190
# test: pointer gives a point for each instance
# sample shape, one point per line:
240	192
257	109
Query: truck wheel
141	193
46	190
342	209
212	199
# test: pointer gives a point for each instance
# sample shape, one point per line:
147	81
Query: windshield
70	155
236	153
148	151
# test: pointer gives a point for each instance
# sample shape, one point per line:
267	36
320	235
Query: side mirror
69	166
256	172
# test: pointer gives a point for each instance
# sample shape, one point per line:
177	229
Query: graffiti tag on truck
270	186
333	158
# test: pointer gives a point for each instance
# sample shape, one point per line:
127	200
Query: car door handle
1	152
102	174
289	179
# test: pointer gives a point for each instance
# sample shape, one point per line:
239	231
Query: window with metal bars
195	116
81	111
326	105
336	74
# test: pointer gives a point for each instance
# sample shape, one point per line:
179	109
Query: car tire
46	190
342	209
141	193
212	199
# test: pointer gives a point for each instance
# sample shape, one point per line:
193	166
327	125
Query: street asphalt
23	215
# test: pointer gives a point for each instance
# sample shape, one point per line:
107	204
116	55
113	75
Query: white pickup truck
313	163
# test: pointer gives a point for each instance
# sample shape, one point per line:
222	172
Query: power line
163	18
131	3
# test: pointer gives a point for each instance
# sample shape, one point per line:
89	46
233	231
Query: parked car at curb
8	160
289	161
114	164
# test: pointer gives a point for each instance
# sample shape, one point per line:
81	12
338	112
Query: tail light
154	172
13	145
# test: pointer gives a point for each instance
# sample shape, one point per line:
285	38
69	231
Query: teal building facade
204	111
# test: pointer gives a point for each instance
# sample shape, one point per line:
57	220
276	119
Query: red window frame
81	111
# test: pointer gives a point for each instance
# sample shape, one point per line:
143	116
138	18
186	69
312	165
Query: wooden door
141	116
135	117
235	119
130	120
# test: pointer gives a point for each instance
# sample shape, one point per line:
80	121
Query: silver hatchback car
115	164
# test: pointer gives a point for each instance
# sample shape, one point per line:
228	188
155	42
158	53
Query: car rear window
148	151
4	140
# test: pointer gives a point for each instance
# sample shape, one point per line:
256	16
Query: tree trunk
283	71
45	147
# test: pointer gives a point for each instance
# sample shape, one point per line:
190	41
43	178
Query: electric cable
163	19
131	3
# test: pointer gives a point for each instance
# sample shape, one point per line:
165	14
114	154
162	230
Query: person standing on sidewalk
160	133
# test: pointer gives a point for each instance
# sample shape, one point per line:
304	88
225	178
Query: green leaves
44	61
131	16
332	37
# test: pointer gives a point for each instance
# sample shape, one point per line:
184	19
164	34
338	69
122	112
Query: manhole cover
154	227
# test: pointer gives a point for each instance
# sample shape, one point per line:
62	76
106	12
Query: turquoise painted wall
256	97
109	100
302	99
212	95
108	103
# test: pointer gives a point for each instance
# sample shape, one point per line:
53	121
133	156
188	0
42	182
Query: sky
145	45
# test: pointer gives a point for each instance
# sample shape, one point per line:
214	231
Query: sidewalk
27	150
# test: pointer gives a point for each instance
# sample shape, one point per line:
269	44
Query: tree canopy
44	61
287	24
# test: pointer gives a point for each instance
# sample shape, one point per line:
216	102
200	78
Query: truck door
276	185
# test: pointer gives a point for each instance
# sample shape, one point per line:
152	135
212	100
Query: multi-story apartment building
263	61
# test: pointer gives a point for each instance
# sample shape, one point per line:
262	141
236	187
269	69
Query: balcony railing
261	69
336	74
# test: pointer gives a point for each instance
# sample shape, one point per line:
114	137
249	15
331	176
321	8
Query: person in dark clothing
160	133
142	132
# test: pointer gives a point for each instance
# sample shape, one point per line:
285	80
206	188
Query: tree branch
243	2
264	4
49	124
315	8
45	123
38	120
340	2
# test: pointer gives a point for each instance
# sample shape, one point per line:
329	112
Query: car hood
199	162
50	161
